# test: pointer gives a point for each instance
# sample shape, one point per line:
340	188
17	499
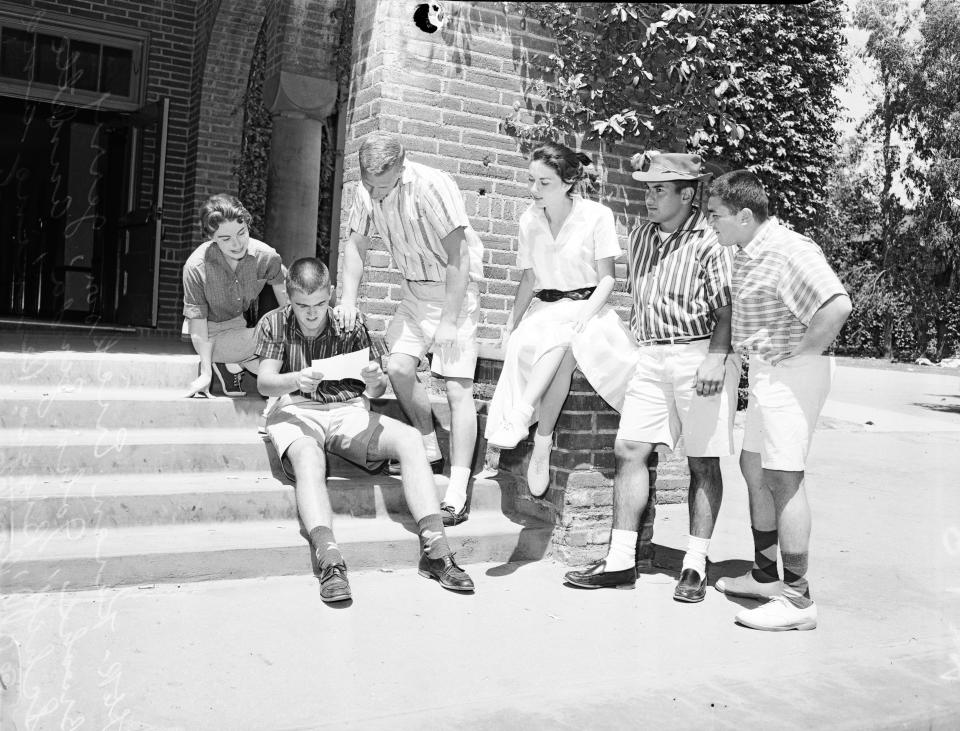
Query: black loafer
597	577
393	466
334	586
446	571
691	588
451	517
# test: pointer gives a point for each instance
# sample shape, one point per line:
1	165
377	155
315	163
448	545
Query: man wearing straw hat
686	377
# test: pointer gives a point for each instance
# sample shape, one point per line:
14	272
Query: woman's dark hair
572	167
219	208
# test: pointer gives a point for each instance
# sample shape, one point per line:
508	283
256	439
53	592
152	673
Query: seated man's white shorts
348	430
661	401
414	326
785	401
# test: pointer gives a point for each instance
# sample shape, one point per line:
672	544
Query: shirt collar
756	244
214	254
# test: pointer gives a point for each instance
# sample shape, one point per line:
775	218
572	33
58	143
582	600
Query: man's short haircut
219	208
741	189
307	275
380	152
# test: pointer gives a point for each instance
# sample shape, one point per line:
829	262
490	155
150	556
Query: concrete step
66	368
126	500
84	405
47	561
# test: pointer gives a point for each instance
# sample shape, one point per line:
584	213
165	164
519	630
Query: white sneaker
538	473
778	615
747	586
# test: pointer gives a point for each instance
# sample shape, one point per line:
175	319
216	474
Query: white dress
565	263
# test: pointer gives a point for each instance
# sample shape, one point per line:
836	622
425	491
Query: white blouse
569	261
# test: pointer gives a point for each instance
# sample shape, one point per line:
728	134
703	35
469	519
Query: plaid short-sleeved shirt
279	338
780	280
677	283
412	221
213	291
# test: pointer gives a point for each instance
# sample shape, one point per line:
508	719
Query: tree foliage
746	85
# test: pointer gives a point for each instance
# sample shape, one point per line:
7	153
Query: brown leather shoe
691	588
334	586
597	577
451	517
446	571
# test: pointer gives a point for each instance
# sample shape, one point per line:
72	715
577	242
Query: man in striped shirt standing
314	416
686	378
788	306
419	214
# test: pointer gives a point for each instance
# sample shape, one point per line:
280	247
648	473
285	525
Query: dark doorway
70	178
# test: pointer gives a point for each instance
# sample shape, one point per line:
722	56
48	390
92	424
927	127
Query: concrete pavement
528	652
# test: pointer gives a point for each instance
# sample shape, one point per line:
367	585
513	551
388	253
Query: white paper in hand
343	366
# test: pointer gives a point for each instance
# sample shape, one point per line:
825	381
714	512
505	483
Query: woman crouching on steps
567	246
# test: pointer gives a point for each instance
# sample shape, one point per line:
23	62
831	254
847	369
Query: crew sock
325	546
765	556
796	589
456	494
432	446
433	540
623	550
696	555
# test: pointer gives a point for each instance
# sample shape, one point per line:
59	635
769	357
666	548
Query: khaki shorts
785	402
414	325
661	401
348	430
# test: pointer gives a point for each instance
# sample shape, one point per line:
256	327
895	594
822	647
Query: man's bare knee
401	369
459	390
705	468
308	459
631	454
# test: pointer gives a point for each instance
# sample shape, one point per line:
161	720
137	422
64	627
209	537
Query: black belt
552	295
674	341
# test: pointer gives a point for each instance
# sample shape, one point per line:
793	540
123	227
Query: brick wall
447	94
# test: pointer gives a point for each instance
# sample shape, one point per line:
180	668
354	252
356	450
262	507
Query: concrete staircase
109	476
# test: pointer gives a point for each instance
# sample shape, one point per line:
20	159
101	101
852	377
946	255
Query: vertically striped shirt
413	219
279	338
677	283
780	280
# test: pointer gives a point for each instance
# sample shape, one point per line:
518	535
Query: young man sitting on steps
313	417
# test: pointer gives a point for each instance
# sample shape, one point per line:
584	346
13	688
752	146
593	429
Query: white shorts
661	401
412	329
785	402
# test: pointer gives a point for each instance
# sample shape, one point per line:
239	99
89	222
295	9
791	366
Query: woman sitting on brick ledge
567	246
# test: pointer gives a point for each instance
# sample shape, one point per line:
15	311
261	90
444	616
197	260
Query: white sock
696	556
456	494
623	550
432	446
542	443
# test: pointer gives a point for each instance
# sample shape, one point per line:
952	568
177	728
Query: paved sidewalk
527	652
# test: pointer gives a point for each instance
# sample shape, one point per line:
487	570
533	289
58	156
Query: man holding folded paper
324	377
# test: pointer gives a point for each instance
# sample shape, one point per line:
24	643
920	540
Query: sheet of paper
343	366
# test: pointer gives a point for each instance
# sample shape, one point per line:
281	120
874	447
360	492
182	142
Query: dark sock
797	590
325	546
765	556
433	539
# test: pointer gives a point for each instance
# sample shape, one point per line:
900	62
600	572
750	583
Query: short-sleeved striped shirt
413	220
780	280
678	282
215	292
279	338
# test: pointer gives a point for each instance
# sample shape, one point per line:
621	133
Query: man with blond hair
419	215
